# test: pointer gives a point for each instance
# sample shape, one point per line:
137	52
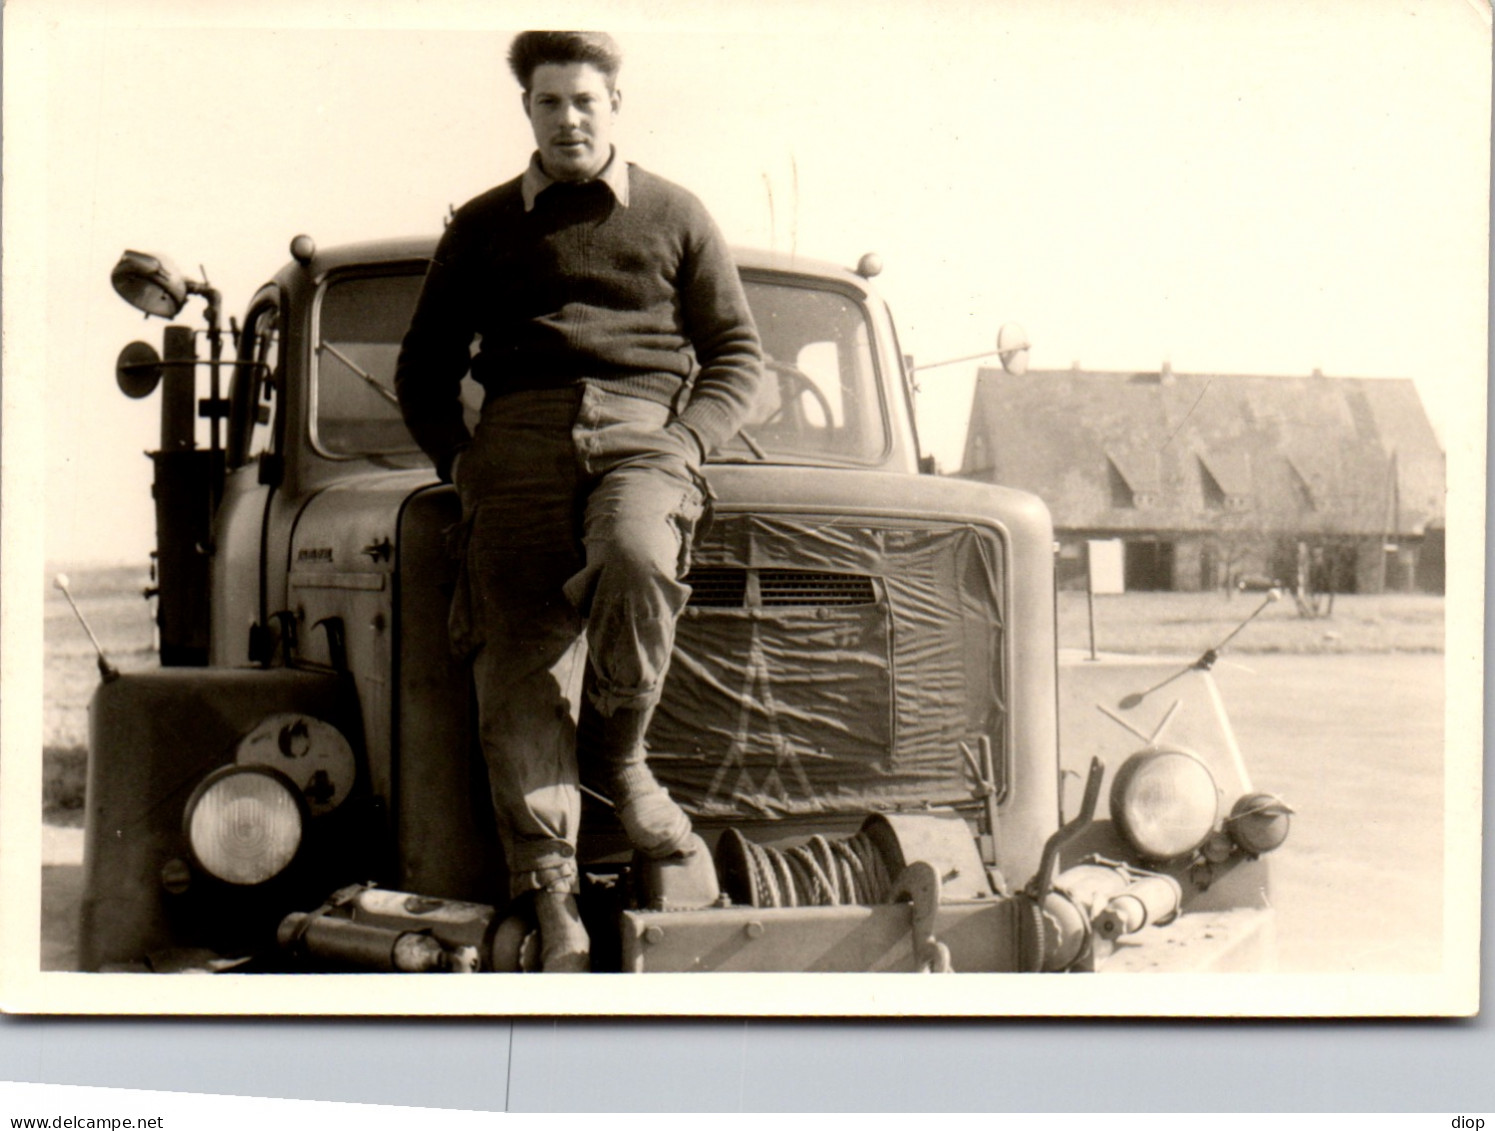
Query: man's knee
625	585
639	554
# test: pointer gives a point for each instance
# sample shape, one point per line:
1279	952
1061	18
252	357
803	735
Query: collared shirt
536	180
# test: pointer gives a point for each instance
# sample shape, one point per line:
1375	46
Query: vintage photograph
946	488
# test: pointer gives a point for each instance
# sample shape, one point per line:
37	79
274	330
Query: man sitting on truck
616	351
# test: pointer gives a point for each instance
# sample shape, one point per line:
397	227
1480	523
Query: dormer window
1133	479
1225	482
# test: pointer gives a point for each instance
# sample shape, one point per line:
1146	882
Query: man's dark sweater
644	297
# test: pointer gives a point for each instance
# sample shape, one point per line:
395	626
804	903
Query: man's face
572	112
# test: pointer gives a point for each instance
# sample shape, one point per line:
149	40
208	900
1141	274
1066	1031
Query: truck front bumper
979	936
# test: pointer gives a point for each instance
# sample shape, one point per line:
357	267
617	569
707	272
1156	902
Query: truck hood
856	491
350	528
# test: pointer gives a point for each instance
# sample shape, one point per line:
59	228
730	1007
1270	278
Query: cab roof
406	248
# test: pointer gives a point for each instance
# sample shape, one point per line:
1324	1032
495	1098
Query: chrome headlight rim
1196	833
196	842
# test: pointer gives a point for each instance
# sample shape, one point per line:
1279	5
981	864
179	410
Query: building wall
1190	562
1370	566
1431	564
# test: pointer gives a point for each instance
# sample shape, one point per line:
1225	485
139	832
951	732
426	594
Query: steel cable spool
818	873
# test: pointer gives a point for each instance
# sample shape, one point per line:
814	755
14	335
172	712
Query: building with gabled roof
1209	478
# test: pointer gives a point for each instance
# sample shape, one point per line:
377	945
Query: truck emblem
756	687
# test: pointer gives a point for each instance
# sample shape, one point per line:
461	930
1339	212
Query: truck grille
832	666
778	588
717	588
795	587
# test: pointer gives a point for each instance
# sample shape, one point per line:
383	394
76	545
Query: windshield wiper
368	378
753	445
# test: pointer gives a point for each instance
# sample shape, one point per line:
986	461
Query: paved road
1354	743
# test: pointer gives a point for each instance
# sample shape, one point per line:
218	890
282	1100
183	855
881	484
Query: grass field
1188	623
1182	624
111	598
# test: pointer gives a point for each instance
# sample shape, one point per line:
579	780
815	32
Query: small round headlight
1259	822
1164	801
244	823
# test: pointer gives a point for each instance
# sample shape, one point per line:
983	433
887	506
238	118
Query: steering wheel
794	385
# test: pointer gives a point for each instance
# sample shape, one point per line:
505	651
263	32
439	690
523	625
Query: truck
867	716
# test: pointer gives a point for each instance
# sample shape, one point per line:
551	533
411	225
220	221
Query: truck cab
862	715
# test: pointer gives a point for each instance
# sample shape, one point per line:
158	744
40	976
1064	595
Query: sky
1272	187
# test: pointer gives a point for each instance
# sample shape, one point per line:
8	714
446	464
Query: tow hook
1054	932
1043	882
919	883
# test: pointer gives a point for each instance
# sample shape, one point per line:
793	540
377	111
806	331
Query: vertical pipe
178	390
215	403
1090	596
183	516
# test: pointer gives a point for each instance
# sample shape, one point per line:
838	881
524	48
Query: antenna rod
107	671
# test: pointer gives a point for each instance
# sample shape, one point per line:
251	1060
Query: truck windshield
820	400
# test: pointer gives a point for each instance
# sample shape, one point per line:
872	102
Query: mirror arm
955	360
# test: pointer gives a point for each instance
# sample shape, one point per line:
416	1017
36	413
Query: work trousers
579	506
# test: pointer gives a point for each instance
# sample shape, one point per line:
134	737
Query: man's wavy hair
532	49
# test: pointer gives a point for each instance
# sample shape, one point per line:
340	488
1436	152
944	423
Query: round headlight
1164	801
244	823
1259	822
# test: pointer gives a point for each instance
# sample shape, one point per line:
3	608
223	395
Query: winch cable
818	873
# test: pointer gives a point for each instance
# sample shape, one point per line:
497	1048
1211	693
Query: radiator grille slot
800	587
777	588
717	588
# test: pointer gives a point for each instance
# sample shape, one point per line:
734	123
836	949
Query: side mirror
1012	348
137	371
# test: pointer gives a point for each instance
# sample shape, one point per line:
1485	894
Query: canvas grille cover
832	666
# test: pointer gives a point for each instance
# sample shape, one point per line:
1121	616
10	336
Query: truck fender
153	738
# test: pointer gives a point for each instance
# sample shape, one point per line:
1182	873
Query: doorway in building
1149	566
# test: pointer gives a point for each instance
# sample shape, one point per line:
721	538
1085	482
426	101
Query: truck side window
267	370
252	423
